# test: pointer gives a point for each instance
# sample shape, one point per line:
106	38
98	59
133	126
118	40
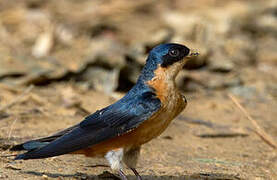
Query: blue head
169	57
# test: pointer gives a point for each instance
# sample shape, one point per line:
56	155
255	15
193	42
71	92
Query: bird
118	131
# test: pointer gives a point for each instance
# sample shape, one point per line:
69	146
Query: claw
122	175
136	173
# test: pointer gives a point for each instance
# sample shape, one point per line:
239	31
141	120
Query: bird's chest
172	104
161	119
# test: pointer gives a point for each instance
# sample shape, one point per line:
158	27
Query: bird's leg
136	173
130	158
122	175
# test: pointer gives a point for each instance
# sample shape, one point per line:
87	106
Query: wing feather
112	121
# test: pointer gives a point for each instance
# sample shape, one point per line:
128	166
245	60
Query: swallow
117	131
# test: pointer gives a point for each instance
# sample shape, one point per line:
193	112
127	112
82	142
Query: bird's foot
136	173
122	175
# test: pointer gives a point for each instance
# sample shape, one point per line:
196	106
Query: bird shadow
109	176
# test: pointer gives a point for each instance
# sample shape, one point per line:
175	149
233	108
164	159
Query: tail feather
20	156
29	146
18	147
32	147
39	143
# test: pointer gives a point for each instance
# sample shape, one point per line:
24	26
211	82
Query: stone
219	62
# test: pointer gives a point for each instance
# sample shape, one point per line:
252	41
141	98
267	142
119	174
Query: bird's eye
174	52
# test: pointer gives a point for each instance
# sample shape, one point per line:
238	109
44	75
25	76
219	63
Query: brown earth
61	60
211	139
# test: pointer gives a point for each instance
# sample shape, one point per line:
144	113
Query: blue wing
114	120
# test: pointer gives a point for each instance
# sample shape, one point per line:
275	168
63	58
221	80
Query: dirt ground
53	73
211	139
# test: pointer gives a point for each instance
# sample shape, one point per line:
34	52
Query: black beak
193	53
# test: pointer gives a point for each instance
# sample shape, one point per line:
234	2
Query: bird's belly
151	129
157	124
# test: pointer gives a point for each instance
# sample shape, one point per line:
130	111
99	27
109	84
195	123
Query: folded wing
114	120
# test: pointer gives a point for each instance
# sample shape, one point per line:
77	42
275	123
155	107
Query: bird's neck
163	83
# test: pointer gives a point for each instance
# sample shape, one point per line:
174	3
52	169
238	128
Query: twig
98	165
9	137
258	130
11	128
16	99
8	155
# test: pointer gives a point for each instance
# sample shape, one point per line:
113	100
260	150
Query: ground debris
214	176
79	57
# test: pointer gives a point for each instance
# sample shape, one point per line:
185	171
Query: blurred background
61	60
